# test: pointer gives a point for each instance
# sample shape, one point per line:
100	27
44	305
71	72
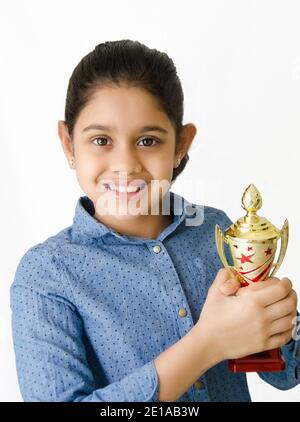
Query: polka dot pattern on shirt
91	309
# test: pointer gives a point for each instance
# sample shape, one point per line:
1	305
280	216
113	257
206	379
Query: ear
187	135
66	140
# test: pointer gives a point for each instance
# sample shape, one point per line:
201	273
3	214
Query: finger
230	287
282	307
259	285
274	292
282	324
222	276
279	340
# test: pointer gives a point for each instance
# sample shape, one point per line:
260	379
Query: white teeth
132	188
123	189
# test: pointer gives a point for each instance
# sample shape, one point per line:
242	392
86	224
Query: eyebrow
151	128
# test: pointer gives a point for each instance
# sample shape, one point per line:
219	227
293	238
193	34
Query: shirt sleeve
51	358
290	377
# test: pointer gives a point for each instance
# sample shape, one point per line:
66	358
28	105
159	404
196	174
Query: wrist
205	342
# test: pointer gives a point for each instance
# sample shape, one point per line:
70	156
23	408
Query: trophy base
267	361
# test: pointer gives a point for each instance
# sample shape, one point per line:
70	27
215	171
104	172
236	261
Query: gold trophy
252	242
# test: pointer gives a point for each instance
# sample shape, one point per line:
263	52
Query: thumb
223	275
228	285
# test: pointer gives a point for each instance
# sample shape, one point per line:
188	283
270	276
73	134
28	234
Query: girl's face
122	136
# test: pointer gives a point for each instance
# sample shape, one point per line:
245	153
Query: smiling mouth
124	191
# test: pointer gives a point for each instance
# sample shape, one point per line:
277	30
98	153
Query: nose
125	159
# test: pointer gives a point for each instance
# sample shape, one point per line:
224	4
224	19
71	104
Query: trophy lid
252	226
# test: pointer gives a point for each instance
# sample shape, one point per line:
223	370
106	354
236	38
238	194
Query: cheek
87	173
89	165
161	167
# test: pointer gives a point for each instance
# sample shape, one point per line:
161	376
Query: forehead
121	107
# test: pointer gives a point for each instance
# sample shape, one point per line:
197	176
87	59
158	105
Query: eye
149	139
96	139
142	140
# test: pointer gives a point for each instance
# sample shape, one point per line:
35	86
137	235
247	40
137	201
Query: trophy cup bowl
252	243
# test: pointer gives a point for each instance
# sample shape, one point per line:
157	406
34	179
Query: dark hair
131	62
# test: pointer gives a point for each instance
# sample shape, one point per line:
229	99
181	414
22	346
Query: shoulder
217	214
41	267
204	236
206	217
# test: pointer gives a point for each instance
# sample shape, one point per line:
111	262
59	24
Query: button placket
178	296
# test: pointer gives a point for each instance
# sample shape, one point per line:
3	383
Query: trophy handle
220	239
283	246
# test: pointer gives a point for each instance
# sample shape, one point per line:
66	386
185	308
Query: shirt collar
86	224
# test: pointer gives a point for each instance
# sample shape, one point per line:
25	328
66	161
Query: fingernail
228	283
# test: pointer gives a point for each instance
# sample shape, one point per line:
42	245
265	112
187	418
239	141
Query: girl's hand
282	312
232	286
256	318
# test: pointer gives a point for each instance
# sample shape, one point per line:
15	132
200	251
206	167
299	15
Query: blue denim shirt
91	309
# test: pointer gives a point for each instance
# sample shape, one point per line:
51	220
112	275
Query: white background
239	64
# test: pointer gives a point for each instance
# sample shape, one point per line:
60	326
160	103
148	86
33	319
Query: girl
129	304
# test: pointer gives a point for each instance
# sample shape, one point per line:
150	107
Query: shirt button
199	384
182	312
156	248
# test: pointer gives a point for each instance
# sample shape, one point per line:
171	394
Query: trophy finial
251	200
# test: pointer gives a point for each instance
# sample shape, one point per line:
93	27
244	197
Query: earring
71	162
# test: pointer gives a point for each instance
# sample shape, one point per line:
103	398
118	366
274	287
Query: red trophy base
267	361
